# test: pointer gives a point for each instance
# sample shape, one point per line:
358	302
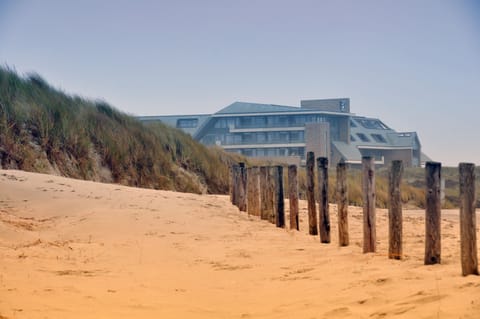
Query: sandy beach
78	249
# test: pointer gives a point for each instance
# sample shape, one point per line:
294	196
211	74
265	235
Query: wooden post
395	211
279	198
468	233
369	231
250	191
242	186
432	213
230	184
323	210
255	191
235	184
265	201
312	209
293	196
272	200
342	202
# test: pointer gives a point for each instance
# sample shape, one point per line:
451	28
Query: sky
413	64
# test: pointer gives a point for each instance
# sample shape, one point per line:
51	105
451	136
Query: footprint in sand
225	266
337	312
420	298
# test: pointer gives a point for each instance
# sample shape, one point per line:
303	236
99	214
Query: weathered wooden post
342	202
235	184
271	195
468	233
279	198
255	203
395	211
242	186
293	196
230	183
250	191
265	201
323	210
368	185
432	213
312	209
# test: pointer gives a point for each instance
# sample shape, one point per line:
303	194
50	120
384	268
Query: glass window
187	123
260	121
372	124
363	137
404	134
353	139
261	137
379	138
221	123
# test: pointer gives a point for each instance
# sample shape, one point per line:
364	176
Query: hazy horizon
415	65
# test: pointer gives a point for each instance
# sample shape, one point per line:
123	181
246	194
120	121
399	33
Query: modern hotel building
287	133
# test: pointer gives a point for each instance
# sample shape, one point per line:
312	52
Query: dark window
352	123
372	124
260	121
379	138
187	123
247	138
221	123
295	137
363	137
261	137
353	139
246	122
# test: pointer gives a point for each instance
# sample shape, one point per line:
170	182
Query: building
287	133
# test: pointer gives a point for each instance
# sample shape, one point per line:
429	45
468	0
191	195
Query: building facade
287	133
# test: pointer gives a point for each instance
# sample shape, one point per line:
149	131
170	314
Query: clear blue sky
414	64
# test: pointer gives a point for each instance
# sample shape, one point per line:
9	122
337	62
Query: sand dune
77	249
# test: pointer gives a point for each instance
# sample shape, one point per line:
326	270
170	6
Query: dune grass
45	130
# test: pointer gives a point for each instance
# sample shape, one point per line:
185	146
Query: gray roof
348	151
403	138
243	107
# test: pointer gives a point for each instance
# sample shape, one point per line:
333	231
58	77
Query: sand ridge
78	249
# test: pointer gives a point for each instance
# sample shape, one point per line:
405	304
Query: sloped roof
244	107
403	138
348	151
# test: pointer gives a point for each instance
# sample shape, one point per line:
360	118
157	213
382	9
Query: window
261	137
353	139
379	138
260	121
404	134
363	137
372	124
352	124
221	123
247	138
187	123
246	121
295	136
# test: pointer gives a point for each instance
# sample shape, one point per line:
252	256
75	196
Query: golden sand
77	249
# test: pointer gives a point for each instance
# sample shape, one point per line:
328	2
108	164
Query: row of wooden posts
259	191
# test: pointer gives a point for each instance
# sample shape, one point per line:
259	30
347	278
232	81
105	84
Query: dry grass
45	130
